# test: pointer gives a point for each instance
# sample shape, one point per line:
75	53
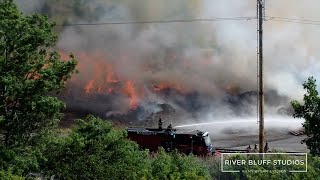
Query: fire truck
185	141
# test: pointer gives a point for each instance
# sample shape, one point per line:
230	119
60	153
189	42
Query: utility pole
260	13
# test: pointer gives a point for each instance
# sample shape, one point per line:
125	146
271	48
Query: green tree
7	175
178	166
310	111
95	149
30	73
20	160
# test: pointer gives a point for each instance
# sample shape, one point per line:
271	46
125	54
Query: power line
244	18
293	20
161	21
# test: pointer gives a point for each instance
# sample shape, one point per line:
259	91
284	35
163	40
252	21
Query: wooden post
261	94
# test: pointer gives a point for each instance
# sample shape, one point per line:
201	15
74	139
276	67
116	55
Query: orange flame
89	87
130	91
110	74
102	78
110	90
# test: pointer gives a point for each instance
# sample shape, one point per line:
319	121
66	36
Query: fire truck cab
195	142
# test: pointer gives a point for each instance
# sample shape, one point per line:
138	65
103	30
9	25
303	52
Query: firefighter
255	148
169	127
248	149
266	147
160	124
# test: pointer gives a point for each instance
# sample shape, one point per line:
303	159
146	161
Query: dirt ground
281	141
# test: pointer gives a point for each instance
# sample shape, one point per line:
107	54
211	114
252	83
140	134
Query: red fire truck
195	142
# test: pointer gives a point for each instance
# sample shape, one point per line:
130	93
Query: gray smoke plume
214	62
30	6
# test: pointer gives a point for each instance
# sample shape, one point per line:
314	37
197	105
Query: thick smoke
290	49
214	63
30	6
